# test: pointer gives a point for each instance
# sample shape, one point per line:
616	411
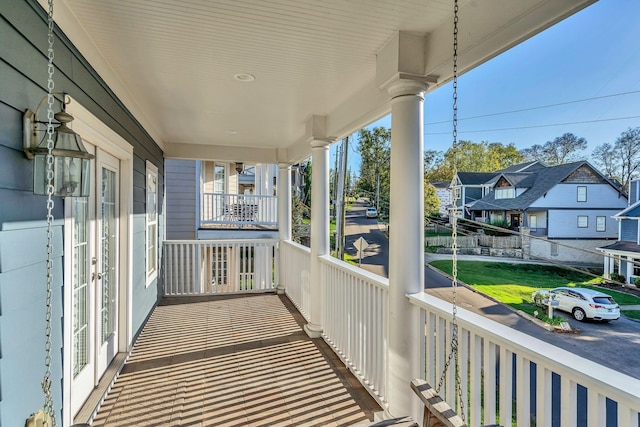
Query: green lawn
513	284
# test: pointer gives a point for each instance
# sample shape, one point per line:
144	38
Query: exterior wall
585	252
23	83
629	230
472	194
181	182
563	223
565	196
634	189
444	195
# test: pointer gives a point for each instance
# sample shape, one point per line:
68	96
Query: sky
589	63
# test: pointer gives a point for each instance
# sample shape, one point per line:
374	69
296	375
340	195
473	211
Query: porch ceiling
172	62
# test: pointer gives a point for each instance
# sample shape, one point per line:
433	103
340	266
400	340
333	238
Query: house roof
528	166
621	246
441	184
632	210
475	178
538	183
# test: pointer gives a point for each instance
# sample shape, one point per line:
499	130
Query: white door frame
101	136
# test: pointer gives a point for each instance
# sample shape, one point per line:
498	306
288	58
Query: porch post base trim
313	331
280	289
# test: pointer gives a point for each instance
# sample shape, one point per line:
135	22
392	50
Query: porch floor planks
240	360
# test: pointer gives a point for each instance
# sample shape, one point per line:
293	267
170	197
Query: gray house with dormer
566	209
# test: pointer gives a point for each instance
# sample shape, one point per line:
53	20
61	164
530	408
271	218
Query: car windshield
603	300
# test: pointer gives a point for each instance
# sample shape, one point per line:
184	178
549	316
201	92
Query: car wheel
578	314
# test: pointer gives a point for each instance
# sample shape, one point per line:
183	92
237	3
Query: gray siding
563	223
598	196
472	194
629	230
181	182
23	62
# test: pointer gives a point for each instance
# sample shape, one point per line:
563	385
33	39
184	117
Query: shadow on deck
233	361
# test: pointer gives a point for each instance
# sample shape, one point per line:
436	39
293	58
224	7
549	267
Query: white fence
240	209
355	321
202	267
498	364
297	258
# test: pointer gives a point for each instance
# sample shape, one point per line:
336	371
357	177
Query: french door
94	238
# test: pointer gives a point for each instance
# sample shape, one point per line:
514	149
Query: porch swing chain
46	381
453	355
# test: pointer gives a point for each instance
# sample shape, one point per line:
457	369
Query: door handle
95	276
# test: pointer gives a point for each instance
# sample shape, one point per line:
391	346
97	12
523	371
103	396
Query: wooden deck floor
233	361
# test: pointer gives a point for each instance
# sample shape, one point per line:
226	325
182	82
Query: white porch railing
498	364
296	277
201	267
355	321
239	209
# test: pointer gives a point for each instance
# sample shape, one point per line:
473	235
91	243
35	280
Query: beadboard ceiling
173	62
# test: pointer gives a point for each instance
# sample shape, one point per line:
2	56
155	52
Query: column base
280	289
313	331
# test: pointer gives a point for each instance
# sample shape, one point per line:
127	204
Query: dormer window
505	193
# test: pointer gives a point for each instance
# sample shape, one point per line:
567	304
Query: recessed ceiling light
231	131
244	77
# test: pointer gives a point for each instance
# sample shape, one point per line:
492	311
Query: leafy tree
431	201
375	153
622	159
563	149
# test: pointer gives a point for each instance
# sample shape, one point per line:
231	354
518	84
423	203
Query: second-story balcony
210	356
249	211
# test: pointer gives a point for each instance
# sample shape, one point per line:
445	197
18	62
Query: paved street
596	341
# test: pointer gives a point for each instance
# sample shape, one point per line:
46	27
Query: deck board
233	361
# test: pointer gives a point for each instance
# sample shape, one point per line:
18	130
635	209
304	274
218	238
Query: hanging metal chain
453	351
46	381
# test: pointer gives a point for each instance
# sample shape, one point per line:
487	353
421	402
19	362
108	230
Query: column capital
406	84
320	142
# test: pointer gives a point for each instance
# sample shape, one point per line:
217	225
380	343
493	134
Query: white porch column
607	265
284	216
319	231
406	242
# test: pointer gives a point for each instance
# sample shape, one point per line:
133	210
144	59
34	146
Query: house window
218	179
505	193
533	222
583	221
601	223
152	223
582	193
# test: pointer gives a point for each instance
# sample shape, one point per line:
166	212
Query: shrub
618	278
636	281
498	223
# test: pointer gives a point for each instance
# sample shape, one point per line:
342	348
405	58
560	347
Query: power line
536	126
536	108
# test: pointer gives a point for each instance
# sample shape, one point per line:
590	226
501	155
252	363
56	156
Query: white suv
582	303
371	213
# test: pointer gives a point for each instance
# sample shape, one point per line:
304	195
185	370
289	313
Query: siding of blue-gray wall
23	63
629	230
598	196
472	194
181	199
633	192
563	223
22	319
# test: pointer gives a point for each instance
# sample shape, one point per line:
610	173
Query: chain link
46	381
453	351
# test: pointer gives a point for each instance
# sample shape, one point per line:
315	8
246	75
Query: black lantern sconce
71	162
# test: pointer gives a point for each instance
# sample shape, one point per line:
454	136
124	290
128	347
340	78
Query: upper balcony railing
508	377
238	209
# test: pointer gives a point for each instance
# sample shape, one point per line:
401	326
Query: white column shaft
319	232
406	244
284	217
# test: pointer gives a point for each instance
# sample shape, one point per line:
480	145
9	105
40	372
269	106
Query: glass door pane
80	285
108	255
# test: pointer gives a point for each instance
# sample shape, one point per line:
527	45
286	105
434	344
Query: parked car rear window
603	300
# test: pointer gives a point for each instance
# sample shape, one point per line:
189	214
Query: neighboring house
443	193
623	257
469	187
569	205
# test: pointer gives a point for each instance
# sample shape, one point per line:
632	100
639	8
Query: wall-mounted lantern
71	163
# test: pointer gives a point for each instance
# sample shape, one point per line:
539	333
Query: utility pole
340	236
